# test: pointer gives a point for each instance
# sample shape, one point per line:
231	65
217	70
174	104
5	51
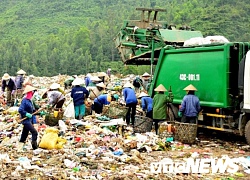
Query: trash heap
100	147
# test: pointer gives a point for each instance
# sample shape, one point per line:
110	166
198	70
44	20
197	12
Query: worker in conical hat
190	106
160	102
146	104
19	80
9	84
145	80
26	110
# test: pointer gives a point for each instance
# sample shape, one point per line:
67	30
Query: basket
51	120
142	124
115	111
185	132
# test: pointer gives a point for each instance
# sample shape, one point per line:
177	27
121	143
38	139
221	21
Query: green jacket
160	106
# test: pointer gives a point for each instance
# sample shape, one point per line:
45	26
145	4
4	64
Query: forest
47	38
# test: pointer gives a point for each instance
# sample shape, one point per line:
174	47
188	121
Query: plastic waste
68	163
118	152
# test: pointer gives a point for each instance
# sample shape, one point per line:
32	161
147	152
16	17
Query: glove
28	115
179	114
48	106
42	113
12	92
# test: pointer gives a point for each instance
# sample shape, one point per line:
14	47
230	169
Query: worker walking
79	94
160	102
26	109
131	102
190	106
9	83
19	82
146	104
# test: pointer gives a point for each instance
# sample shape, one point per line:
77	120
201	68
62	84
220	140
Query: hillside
76	36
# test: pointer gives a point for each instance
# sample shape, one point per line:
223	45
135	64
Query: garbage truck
219	70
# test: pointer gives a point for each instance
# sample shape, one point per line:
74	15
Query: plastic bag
70	111
49	139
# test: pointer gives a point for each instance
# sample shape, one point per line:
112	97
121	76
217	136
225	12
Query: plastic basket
114	111
142	124
51	120
185	132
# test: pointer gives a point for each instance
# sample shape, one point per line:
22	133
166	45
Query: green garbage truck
220	71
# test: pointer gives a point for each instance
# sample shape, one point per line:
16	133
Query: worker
87	80
160	102
26	109
145	80
19	82
109	72
96	91
146	104
103	99
9	83
94	80
137	83
56	98
102	76
68	82
79	95
28	80
131	102
190	106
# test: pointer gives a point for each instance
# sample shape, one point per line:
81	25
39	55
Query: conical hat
160	88
95	78
45	93
28	88
101	85
54	86
88	75
143	94
6	76
190	87
101	74
77	81
21	72
146	75
128	84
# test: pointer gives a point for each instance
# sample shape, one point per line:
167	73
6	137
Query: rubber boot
34	145
20	147
80	117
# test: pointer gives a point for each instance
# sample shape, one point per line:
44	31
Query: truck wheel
247	132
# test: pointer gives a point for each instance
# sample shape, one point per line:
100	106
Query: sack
70	111
50	139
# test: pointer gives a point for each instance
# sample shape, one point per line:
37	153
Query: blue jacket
87	81
26	107
79	94
147	103
19	81
190	105
102	99
129	95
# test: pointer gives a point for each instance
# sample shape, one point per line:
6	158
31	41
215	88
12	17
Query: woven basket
115	111
185	132
51	120
142	124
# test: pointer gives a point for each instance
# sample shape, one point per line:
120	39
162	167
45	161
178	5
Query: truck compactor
220	71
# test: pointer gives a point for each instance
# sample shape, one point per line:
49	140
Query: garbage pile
100	147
